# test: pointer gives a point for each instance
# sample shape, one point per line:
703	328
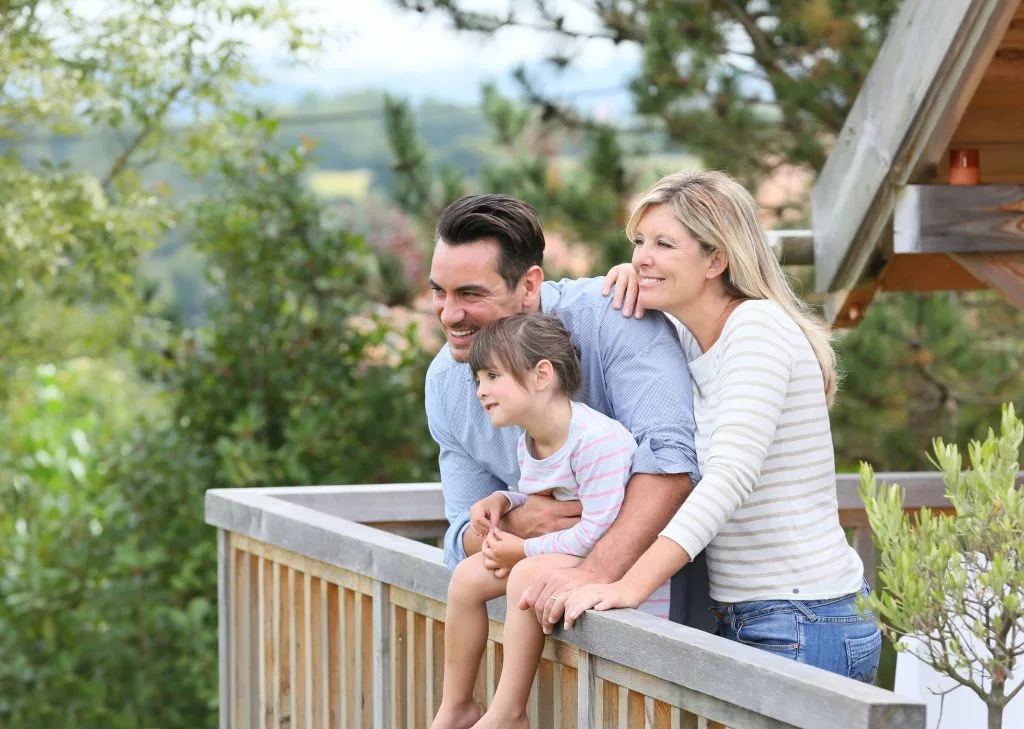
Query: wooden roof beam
903	119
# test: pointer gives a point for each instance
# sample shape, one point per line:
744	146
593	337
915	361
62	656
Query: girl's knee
522	576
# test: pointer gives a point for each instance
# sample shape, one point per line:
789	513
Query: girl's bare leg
465	638
524	641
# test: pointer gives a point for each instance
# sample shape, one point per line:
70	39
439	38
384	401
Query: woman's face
672	267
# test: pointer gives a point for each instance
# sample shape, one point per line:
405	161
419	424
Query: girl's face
672	267
504	399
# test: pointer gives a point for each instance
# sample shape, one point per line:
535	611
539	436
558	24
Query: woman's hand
486	513
502	551
599	597
627	289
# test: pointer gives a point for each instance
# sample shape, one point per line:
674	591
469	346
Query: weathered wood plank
225	627
305	565
915	95
588	698
381	654
286	675
335	658
1004	272
418	675
545	695
948	219
988	126
369	665
300	687
399	678
317	634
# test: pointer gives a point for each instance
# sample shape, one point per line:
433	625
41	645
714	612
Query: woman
782	575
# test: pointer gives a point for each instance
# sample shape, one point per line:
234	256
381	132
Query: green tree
746	85
134	70
955	583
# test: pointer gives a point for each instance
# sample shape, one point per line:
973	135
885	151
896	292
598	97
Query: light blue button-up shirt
633	371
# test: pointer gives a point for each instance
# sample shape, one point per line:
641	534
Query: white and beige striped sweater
766	507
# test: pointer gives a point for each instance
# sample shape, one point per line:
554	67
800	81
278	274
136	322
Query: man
487	265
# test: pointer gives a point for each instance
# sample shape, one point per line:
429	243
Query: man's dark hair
517	343
513	223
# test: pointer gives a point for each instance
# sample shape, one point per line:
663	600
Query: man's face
468	293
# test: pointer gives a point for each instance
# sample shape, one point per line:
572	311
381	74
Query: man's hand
486	513
548	593
542	515
502	551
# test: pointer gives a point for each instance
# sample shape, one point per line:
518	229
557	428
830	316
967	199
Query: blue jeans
829	634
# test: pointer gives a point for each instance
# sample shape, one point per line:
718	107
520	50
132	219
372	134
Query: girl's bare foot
459	716
502	720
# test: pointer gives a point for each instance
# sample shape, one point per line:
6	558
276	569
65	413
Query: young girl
527	369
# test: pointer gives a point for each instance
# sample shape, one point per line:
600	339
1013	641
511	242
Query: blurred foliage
116	414
954	583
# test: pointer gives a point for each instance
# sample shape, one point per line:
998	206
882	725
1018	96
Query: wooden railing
332	617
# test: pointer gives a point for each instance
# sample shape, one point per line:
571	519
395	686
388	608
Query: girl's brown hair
517	343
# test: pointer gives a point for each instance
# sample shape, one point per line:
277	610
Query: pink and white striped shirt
593	466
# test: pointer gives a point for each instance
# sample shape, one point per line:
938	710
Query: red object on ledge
963	167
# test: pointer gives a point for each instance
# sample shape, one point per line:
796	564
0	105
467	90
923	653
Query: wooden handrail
362	601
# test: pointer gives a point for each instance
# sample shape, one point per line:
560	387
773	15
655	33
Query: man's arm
651	501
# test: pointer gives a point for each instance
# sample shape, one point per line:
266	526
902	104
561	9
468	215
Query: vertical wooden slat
300	662
636	715
238	659
380	650
609	702
428	667
688	720
346	607
418	676
661	715
531	702
588	699
569	697
335	657
274	688
354	663
438	666
370	666
253	705
314	654
324	642
492	670
225	581
286	696
399	668
716	725
545	695
480	684
262	642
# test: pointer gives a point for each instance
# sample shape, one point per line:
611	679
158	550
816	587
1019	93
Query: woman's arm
627	289
662	560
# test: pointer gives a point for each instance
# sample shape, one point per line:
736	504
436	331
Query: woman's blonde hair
721	215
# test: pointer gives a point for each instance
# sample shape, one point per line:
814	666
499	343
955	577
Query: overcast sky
374	44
